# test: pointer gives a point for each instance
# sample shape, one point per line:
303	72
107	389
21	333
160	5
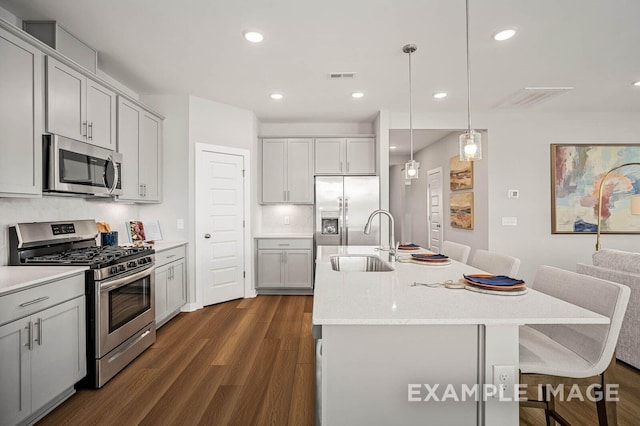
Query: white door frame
200	148
441	201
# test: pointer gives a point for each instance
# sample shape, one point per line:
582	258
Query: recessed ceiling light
357	95
636	83
276	96
393	147
503	35
440	95
253	36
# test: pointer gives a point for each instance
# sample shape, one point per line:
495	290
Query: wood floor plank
275	409
306	350
219	410
252	395
302	408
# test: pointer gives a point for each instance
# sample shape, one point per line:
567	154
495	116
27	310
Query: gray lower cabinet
171	288
21	105
285	263
43	354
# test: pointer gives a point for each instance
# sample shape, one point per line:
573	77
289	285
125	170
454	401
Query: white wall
52	208
10	17
175	166
437	155
520	159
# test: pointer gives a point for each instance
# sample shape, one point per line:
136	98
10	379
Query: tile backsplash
52	208
273	217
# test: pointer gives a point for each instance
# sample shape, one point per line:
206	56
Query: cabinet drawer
171	255
42	296
285	243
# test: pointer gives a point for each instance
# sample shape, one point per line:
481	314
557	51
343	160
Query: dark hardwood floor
248	362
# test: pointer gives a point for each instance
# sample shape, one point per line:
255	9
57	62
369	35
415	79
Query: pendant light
411	167
470	141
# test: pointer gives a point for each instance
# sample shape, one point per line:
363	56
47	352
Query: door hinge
242	172
244	274
243	223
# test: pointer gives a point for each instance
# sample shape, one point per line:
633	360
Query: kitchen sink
359	263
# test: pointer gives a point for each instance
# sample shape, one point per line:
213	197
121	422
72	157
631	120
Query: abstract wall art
576	173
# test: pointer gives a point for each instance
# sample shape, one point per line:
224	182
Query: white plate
518	292
422	262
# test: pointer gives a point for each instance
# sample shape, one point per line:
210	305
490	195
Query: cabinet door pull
84	129
284	245
91	131
39	324
31	302
347	167
30	339
170	256
288	195
341	166
284	195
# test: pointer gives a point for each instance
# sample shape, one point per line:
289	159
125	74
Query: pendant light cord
410	109
468	73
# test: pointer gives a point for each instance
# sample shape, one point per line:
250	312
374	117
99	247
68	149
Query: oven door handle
110	285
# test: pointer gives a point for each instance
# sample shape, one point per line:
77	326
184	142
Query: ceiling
196	47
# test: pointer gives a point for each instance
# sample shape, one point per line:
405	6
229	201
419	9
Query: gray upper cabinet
78	107
21	105
345	156
330	157
139	142
287	171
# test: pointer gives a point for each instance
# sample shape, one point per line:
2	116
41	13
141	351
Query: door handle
207	236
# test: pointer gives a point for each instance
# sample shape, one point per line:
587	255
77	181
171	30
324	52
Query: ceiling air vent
338	75
531	96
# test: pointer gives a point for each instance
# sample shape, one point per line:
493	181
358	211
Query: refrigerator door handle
341	219
346	227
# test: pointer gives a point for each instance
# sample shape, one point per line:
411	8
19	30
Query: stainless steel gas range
119	289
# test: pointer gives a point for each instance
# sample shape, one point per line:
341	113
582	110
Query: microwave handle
116	174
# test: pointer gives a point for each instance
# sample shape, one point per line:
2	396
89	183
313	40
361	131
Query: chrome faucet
393	246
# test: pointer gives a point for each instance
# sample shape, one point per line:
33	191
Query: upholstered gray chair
570	354
622	267
499	264
456	251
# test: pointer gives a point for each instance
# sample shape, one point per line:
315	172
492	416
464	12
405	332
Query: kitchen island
394	353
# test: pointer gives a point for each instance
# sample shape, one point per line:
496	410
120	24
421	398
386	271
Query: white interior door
219	226
434	209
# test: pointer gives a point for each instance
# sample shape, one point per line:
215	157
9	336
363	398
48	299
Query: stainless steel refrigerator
343	205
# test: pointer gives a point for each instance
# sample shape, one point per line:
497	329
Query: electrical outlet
286	220
504	378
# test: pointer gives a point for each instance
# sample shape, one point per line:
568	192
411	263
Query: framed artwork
576	173
460	174
461	210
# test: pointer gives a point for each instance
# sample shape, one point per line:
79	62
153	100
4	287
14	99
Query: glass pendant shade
470	146
411	169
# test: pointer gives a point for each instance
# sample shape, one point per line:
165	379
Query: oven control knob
142	261
120	268
113	270
132	264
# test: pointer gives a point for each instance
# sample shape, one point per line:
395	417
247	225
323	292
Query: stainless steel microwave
76	167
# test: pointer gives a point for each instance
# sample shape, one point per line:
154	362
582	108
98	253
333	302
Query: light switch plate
509	221
286	220
180	223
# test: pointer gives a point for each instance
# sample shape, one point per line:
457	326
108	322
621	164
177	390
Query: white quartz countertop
167	245
16	278
267	235
388	298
